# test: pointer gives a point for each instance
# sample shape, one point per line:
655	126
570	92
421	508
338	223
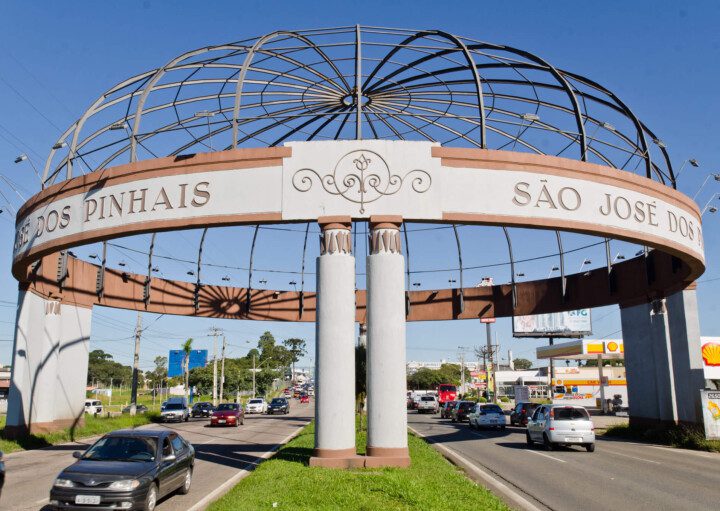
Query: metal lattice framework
353	83
357	83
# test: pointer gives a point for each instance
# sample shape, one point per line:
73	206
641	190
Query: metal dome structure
357	82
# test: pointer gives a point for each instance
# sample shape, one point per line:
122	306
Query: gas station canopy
584	349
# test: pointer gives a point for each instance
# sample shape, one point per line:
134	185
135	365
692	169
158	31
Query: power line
37	110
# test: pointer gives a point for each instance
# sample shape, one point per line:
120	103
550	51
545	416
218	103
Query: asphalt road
619	475
221	455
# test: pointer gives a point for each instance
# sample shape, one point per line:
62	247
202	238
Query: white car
93	406
486	416
553	425
428	404
256	405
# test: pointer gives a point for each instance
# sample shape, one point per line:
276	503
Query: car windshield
427	398
278	401
466	405
255	401
492	409
121	448
227	406
570	414
174	406
447	388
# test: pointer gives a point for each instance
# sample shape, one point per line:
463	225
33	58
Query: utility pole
214	333
253	376
461	350
222	369
136	366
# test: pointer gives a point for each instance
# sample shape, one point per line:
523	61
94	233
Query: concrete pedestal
386	383
663	361
335	348
50	360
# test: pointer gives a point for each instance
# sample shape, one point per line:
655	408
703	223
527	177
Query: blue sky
659	57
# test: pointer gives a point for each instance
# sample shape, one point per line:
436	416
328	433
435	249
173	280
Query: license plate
221	421
573	439
87	499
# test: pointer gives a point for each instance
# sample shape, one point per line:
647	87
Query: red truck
446	392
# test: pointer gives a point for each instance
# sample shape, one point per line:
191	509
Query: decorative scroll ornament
362	177
385	241
335	241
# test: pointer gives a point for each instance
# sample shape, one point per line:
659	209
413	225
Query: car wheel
151	498
242	421
547	443
528	439
187	418
187	481
590	447
502	428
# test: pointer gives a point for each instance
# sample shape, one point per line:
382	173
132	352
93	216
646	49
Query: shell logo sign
711	354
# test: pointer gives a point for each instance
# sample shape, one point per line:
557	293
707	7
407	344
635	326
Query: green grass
286	479
679	436
93	426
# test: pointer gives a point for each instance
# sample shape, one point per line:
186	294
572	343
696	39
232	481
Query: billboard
198	358
575	323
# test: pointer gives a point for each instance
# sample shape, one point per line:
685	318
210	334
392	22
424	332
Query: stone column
49	365
386	380
335	346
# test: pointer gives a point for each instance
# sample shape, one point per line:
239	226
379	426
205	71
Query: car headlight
124	485
64	483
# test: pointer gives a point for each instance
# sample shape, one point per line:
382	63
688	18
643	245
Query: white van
93	406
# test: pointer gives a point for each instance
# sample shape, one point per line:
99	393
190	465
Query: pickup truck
427	404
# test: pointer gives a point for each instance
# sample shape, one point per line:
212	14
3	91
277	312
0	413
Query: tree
297	350
187	348
266	345
522	364
360	380
158	375
104	370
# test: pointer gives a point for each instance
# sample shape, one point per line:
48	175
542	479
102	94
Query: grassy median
287	482
93	426
679	436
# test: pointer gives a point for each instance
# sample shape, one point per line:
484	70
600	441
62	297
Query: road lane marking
500	487
546	455
685	451
631	457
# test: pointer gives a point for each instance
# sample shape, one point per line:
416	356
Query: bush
482	400
687	437
505	399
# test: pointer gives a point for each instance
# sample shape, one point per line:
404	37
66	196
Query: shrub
505	399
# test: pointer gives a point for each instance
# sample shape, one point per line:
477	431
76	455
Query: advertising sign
710	351
576	323
198	358
522	393
711	413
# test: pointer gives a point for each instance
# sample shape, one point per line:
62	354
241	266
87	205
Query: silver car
427	404
553	425
486	416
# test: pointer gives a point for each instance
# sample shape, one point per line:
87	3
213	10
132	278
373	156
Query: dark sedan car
2	472
461	410
446	409
126	469
202	409
521	413
138	409
278	405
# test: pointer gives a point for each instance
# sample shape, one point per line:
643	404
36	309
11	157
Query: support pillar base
387	457
36	428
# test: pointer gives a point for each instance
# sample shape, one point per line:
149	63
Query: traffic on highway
178	464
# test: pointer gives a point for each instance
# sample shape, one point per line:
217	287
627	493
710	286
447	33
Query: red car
304	398
228	414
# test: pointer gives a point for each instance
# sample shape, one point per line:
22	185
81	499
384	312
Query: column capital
335	222
385	222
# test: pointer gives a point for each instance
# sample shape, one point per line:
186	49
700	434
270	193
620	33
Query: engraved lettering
522	197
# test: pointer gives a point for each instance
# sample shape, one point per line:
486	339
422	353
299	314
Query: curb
511	497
